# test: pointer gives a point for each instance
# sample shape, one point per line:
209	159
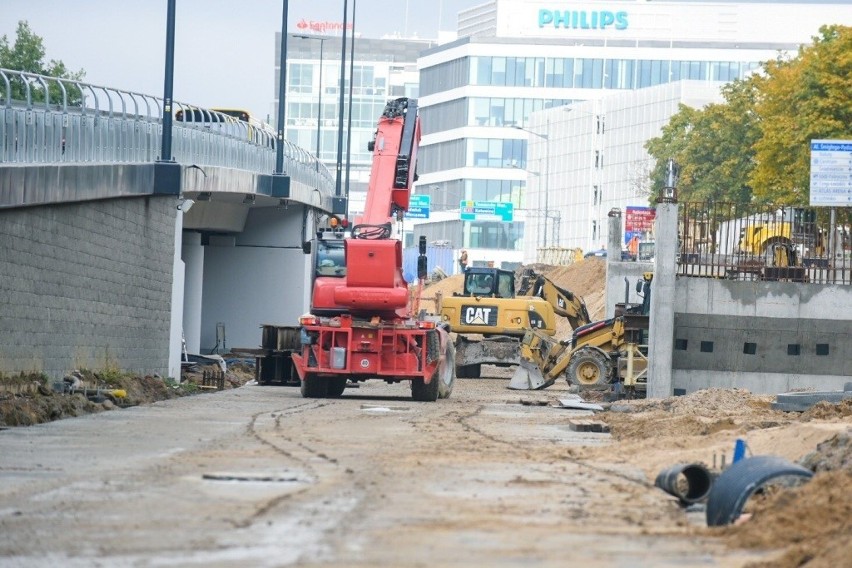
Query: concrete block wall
87	285
767	337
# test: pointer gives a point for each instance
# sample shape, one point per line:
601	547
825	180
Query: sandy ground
490	477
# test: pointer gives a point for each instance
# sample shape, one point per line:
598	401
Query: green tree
755	147
803	98
712	146
27	54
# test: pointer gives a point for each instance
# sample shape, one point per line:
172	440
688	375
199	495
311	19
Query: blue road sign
831	173
418	207
486	211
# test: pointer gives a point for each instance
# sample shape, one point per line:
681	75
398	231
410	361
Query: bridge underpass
110	257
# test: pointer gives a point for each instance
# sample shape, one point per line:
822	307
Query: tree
755	147
803	98
27	54
712	146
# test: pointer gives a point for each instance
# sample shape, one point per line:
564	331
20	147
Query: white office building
538	113
383	69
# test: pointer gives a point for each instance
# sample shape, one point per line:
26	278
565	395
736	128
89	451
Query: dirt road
258	476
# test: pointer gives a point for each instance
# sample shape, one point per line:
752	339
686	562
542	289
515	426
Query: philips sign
582	19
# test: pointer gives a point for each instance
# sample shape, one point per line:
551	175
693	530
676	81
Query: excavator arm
565	303
589	359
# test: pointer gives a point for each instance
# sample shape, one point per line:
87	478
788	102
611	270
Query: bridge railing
47	120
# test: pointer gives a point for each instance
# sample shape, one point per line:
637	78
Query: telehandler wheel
447	374
589	369
336	386
314	387
422	392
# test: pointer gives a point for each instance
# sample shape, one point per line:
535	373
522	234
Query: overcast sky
224	49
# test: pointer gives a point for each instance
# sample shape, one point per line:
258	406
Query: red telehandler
361	325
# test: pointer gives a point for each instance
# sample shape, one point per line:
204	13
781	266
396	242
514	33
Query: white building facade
544	108
383	69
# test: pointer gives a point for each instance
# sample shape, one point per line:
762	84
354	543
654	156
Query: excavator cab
491	282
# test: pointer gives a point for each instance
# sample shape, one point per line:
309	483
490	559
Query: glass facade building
383	69
547	106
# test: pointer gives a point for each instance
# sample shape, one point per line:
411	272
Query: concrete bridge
111	255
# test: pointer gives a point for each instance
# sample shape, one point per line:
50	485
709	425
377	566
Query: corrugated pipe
688	482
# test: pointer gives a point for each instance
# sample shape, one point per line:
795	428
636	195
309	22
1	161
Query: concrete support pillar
613	241
613	254
176	325
193	258
661	335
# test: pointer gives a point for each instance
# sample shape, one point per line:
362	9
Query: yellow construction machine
605	354
490	318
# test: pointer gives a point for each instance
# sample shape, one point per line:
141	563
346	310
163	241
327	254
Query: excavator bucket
528	377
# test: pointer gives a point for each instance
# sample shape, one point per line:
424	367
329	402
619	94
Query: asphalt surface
258	476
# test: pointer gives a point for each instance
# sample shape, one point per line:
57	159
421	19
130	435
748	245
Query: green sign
486	211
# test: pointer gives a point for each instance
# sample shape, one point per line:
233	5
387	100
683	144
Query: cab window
330	259
506	285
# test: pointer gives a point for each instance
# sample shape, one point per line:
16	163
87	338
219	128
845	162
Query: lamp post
319	100
168	85
546	138
337	183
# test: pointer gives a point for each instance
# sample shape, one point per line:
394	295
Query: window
707	347
794	349
301	77
822	348
330	259
749	348
498	71
496	235
505	285
680	344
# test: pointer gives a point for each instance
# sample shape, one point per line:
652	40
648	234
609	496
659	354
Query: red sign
639	219
322	27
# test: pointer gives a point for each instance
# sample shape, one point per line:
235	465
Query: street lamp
546	138
319	101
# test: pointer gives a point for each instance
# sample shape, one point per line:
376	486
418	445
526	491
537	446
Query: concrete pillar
613	241
193	258
176	324
614	288
661	335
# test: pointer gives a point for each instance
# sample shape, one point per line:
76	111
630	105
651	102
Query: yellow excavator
490	318
600	355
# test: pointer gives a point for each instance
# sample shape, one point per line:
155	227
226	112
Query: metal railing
48	120
726	240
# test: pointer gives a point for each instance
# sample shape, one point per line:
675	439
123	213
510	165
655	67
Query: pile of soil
810	523
28	399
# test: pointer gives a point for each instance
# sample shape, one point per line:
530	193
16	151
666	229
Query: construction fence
733	241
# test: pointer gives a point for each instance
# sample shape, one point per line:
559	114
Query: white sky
224	49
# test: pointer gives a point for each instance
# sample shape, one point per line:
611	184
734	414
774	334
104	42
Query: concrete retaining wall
767	337
87	286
